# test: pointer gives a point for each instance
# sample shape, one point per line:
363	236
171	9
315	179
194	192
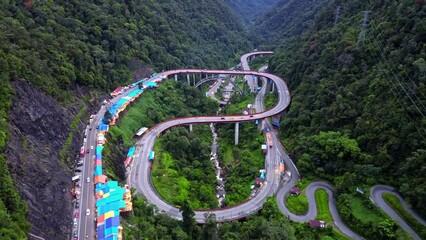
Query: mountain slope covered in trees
358	110
60	46
248	10
56	44
285	21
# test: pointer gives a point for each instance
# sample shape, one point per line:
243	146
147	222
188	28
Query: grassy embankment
298	204
64	156
363	217
321	198
394	203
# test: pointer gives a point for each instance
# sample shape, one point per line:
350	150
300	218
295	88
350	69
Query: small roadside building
295	191
317	224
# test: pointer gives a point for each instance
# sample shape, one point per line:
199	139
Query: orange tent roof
100	179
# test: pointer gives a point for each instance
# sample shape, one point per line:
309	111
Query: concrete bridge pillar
188	80
237	129
270	86
277	118
176	77
193	79
190	127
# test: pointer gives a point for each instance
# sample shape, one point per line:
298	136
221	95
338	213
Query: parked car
88	179
87	211
76	214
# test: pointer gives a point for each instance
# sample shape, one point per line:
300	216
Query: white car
88	179
88	212
91	147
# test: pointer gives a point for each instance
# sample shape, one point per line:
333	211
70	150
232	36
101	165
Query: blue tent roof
112	184
113	206
115	221
150	84
112	237
103	127
108	223
111	231
101	232
134	93
99	149
131	151
100	186
98	170
114	197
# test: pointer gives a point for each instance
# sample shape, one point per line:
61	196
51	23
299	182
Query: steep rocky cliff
39	127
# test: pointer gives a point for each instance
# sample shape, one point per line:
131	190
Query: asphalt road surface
140	176
376	197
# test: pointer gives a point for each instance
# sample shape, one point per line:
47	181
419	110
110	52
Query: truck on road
151	156
264	149
282	167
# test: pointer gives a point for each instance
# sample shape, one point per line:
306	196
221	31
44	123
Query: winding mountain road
140	176
312	212
376	196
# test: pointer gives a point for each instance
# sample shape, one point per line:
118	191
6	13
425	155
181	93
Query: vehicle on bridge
141	131
276	124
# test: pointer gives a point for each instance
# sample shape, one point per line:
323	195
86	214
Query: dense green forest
182	170
268	224
243	161
249	10
13	224
56	44
358	110
285	22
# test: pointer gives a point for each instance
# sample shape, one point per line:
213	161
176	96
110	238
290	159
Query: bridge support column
188	80
273	87
176	77
193	79
270	86
190	127
237	129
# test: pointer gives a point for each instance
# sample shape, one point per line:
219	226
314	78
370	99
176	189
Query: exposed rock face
39	126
